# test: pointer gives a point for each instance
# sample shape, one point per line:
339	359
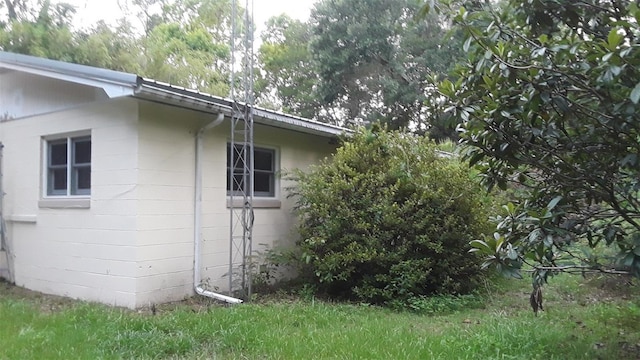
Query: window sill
65	203
28	219
258	203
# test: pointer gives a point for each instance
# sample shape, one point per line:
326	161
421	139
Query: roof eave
192	99
120	84
114	83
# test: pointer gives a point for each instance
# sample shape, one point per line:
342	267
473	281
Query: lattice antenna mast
241	152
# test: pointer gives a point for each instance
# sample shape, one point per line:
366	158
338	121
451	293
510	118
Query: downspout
197	228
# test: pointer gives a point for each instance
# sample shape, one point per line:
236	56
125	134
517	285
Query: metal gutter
215	104
189	100
273	118
120	84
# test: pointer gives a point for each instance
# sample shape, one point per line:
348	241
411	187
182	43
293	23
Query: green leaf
628	260
543	38
479	244
462	12
548	240
467	44
635	11
552	204
630	159
635	94
476	158
614	38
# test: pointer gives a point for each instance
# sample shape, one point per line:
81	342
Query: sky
90	11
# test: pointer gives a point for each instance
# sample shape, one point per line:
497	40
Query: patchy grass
593	319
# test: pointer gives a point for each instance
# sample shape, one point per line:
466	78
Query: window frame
72	166
275	183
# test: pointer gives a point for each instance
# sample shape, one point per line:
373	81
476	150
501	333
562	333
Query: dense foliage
185	42
289	76
374	59
550	101
358	62
388	219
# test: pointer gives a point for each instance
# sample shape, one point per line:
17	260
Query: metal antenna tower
240	152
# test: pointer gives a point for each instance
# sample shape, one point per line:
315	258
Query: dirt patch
46	303
53	303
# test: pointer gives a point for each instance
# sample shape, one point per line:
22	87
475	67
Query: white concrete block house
99	172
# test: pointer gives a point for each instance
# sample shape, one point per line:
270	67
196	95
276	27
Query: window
264	172
68	166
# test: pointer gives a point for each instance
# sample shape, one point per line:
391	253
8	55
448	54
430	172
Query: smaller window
264	172
69	166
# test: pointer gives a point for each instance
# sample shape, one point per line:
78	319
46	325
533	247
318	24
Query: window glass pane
58	180
82	151
263	160
264	170
83	178
64	163
263	184
239	158
58	153
238	182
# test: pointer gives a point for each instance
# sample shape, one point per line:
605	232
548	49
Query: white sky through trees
91	11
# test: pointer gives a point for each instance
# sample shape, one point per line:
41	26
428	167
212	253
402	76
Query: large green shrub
388	219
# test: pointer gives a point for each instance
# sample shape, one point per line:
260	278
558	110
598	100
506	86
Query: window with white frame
68	166
264	173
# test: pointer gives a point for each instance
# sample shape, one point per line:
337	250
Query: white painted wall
272	226
166	199
165	202
23	95
81	253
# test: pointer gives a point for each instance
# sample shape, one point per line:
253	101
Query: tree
42	30
386	220
549	104
186	56
186	42
111	48
14	9
373	59
289	75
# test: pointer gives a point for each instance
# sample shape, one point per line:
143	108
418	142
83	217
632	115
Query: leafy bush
388	219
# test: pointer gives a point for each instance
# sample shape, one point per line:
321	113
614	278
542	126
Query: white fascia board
112	89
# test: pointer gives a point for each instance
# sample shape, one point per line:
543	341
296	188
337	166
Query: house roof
120	84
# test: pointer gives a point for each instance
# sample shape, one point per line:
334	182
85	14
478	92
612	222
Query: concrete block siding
87	253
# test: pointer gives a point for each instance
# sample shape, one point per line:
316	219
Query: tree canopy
185	42
289	75
353	62
374	58
549	104
358	62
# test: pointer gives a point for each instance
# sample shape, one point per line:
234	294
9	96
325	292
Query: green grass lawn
583	320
